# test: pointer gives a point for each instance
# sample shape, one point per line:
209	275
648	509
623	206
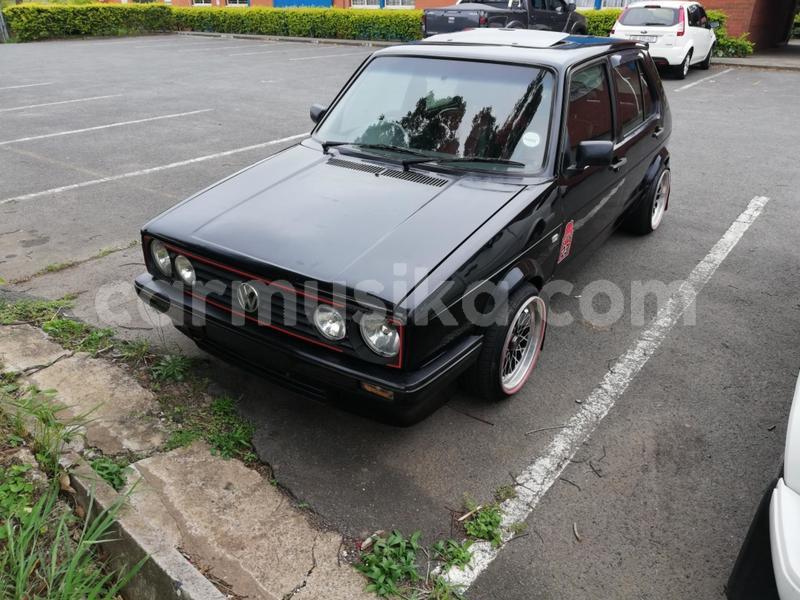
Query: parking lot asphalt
679	463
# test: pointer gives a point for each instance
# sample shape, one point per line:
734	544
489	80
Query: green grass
391	564
485	525
78	336
172	367
112	471
452	553
228	434
46	551
34	312
505	492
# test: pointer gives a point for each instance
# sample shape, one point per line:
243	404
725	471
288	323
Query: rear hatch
655	24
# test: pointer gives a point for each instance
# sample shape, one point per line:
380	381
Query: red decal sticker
566	241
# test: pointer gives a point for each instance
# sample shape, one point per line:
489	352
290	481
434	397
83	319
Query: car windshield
448	109
650	16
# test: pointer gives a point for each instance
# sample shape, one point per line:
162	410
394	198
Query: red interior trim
252	277
262	324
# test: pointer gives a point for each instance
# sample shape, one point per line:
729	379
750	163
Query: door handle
658	131
618	163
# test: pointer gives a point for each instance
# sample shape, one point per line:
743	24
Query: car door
559	14
698	31
638	126
540	16
588	196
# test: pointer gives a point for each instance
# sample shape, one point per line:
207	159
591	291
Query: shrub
727	45
37	21
600	22
40	21
796	29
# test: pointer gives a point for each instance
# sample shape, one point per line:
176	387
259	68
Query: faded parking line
538	477
182	163
27	85
327	56
108	126
60	102
699	81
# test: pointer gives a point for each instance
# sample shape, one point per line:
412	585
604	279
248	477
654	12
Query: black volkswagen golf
406	241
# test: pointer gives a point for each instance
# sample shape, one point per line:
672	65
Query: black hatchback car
406	241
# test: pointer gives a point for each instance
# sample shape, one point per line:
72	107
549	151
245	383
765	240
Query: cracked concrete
227	517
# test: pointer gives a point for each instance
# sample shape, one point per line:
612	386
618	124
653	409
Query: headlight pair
380	335
164	263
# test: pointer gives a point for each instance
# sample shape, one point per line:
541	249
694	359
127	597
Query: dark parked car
406	240
552	15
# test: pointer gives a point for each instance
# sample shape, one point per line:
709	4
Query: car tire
682	70
513	346
649	212
706	64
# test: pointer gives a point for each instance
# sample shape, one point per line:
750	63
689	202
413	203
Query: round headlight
161	257
380	335
329	322
185	269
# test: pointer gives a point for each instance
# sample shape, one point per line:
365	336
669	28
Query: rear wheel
647	216
682	70
510	351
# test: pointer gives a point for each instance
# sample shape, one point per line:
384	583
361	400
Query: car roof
547	48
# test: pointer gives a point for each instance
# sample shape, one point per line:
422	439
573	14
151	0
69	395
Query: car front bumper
305	367
784	535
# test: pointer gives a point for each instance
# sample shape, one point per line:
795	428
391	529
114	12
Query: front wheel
511	350
649	213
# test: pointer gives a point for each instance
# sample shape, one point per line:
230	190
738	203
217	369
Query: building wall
765	20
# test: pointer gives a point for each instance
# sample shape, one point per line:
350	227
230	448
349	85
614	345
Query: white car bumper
673	55
784	534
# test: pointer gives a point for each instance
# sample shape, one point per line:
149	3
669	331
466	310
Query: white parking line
98	127
327	56
537	478
27	85
174	165
699	81
218	47
61	102
263	51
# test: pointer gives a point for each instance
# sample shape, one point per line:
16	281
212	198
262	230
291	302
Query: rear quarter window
649	17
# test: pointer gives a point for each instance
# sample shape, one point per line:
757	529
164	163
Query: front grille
287	311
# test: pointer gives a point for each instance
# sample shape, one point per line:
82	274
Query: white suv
679	33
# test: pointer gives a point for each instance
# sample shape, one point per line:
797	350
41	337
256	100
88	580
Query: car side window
630	101
538	5
694	16
702	16
556	5
647	90
589	110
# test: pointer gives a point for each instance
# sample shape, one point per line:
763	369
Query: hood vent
384	172
347	164
415	177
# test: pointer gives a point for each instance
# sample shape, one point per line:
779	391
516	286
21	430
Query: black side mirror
571	7
317	112
594	154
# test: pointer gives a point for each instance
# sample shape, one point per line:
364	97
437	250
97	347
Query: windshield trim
546	159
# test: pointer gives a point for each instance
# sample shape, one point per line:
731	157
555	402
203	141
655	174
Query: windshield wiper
469	159
389	147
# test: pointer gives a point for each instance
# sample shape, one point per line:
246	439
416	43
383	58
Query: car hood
334	220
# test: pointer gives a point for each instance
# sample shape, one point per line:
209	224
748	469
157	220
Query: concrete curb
280	38
167	574
744	63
